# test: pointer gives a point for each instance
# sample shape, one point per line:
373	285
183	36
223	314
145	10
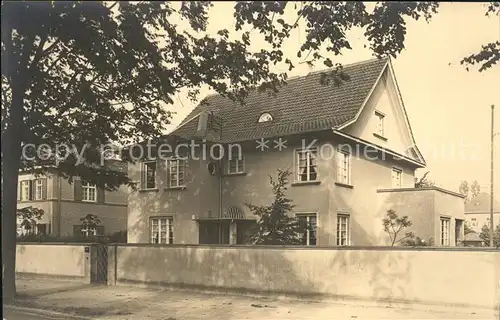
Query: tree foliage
468	229
485	235
90	221
275	226
29	217
415	241
469	191
394	225
423	182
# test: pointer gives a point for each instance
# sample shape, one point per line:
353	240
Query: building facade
478	212
64	205
349	149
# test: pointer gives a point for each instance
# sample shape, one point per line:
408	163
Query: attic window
265	117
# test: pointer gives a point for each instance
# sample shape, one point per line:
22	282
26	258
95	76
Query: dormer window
265	117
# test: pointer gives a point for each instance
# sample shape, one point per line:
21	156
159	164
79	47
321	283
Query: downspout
221	169
59	195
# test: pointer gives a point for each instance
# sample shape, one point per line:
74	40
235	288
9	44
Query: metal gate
100	264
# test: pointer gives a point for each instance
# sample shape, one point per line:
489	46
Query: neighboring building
478	213
361	163
64	204
473	240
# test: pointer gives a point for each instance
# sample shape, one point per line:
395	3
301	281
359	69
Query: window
343	167
309	222
236	165
39	189
380	123
25	190
89	231
342	230
396	177
265	117
162	230
175	168
148	175
445	231
89	192
40	228
474	222
306	165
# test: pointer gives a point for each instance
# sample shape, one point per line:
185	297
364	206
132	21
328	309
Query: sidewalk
103	302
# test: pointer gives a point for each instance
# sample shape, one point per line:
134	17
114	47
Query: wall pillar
232	232
112	264
88	263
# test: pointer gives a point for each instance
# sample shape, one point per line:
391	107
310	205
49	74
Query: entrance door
458	232
224	232
213	232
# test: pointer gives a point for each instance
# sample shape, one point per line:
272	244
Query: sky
449	108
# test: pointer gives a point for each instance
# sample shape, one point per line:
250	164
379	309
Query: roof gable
382	120
303	105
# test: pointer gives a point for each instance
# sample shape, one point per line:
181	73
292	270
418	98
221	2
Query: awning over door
230	213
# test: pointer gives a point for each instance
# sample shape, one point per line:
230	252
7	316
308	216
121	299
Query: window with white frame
38	189
236	164
162	230
307	169
396	177
39	228
25	190
148	175
474	222
308	221
380	123
342	230
175	172
89	192
343	166
88	231
445	231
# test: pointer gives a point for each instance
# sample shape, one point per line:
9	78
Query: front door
458	232
213	232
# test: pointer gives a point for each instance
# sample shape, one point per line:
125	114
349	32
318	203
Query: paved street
17	315
121	303
11	314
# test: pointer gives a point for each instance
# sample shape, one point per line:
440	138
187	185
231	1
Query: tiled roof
303	105
481	204
473	236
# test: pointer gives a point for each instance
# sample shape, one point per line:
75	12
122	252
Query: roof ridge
353	64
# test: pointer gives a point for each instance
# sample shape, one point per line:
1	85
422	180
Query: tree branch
39	52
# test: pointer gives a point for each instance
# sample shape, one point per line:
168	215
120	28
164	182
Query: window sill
236	174
149	190
305	183
343	185
379	136
89	201
176	188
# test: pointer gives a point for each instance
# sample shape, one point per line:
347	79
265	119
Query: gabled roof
303	105
481	204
